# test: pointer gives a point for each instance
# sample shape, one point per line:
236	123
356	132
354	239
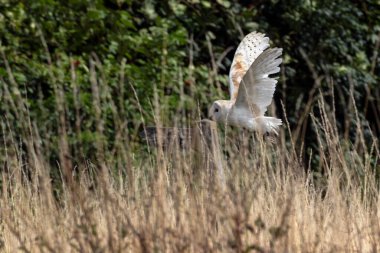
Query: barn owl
251	88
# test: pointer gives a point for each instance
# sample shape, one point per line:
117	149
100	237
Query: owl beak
210	116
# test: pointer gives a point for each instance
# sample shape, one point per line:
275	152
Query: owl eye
216	110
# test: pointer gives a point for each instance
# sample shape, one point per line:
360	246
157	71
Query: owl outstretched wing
256	88
247	52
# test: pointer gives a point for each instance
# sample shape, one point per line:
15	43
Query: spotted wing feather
247	52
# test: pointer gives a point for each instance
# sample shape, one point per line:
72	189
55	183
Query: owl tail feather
271	125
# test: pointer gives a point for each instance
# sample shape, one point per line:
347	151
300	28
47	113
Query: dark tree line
182	50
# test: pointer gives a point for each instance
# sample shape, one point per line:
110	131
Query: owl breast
242	118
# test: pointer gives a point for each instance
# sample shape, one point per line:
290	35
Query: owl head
218	111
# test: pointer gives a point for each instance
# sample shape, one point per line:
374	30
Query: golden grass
262	199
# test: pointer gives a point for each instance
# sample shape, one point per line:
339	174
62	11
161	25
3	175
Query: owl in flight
251	87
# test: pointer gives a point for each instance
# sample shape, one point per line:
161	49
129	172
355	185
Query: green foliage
180	49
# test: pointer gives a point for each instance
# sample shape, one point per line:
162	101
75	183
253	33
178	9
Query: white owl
251	88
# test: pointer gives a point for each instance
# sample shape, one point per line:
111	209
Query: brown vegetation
258	197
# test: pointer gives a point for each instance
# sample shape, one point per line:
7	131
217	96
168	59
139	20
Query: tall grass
215	190
267	201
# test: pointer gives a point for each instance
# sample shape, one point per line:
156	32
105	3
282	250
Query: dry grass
262	201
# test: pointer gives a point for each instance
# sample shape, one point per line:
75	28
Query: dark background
84	73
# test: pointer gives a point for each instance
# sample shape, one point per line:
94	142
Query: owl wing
248	50
256	88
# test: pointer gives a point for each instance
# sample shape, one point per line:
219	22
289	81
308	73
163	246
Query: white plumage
251	87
